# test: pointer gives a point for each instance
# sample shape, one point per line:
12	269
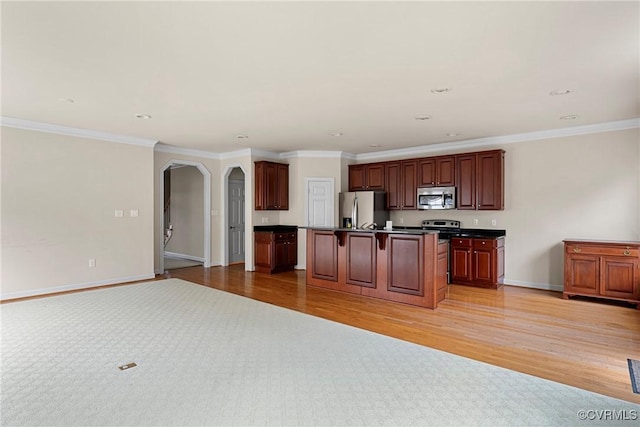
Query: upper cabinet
401	185
272	186
437	172
369	176
480	180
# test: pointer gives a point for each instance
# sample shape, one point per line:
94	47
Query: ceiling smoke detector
241	136
423	117
337	134
68	100
569	117
143	116
441	90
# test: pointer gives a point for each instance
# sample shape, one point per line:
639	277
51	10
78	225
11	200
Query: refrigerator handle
354	212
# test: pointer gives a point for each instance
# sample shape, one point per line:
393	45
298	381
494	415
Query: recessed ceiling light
337	134
242	136
423	117
559	92
374	145
453	134
441	90
143	116
569	117
69	100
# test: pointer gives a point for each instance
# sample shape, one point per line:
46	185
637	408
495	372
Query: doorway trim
206	176
224	242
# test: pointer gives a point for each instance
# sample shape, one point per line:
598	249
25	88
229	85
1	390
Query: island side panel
326	262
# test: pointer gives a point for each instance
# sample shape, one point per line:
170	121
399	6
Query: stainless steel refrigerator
360	209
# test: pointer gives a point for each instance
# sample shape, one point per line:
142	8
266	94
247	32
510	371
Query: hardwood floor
579	342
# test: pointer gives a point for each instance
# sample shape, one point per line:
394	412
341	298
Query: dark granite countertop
479	233
275	228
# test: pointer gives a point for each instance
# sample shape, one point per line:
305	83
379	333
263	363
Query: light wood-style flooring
579	342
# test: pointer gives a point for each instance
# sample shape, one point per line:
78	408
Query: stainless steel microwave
437	198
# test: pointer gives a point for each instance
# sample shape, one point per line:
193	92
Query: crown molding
165	148
506	139
71	131
311	154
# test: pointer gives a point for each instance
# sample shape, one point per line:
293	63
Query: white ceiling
290	74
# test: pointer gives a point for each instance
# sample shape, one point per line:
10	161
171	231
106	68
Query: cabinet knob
626	252
577	250
484	243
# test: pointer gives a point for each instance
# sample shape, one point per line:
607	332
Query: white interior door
320	202
236	221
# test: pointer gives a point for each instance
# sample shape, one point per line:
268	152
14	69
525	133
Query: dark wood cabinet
322	255
480	180
477	262
602	269
361	259
272	186
442	265
275	251
405	269
402	184
370	176
437	172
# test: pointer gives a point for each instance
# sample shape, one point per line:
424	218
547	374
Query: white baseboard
77	286
534	285
183	256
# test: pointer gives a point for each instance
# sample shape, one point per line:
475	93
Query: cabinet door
405	264
357	179
427	172
393	186
361	259
271	185
619	277
461	260
482	262
582	274
489	181
375	176
466	181
409	184
445	171
281	254
323	252
282	187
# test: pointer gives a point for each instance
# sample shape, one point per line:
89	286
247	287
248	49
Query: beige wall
187	212
584	186
59	196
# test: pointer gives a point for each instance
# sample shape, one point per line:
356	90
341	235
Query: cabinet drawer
486	243
602	250
285	236
461	242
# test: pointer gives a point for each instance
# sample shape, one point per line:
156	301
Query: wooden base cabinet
275	251
477	262
603	269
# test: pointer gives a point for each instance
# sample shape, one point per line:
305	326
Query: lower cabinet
602	269
477	262
400	267
443	264
275	251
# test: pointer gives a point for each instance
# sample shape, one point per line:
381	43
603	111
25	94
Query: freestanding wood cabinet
603	269
480	180
477	262
368	176
272	186
402	185
275	251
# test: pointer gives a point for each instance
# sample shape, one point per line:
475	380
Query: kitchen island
406	266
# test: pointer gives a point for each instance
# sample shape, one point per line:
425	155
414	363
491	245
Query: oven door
437	198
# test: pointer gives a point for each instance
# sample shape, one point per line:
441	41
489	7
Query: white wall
187	212
59	194
584	186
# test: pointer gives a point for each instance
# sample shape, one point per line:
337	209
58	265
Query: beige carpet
206	357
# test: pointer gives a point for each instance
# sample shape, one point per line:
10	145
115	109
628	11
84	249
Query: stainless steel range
446	229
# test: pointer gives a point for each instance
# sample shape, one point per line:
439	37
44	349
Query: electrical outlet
494	222
92	263
401	220
119	213
475	221
133	213
265	220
